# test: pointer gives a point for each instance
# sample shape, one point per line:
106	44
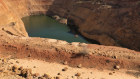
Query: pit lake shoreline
47	27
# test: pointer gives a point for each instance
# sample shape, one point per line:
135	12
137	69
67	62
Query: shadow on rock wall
113	23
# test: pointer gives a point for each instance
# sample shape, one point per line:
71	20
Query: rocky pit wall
14	39
11	12
109	22
113	23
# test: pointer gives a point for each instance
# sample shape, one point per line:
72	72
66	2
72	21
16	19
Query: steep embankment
10	22
89	57
110	22
11	13
106	22
53	50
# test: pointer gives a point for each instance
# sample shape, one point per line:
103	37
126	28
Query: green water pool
46	27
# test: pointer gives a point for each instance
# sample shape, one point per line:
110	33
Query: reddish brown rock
113	22
107	22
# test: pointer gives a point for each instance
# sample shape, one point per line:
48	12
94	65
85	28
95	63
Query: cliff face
110	22
11	12
10	21
113	22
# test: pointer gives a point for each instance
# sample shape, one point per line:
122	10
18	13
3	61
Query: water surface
46	27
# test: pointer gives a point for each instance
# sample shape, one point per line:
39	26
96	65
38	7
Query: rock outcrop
11	13
10	22
113	22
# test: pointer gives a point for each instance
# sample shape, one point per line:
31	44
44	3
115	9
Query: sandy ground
53	69
52	50
99	57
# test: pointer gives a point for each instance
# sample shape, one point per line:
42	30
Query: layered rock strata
52	50
107	22
113	22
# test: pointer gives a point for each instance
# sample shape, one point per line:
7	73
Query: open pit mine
69	39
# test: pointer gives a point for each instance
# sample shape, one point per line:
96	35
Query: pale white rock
75	43
52	40
63	21
56	17
62	42
83	44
